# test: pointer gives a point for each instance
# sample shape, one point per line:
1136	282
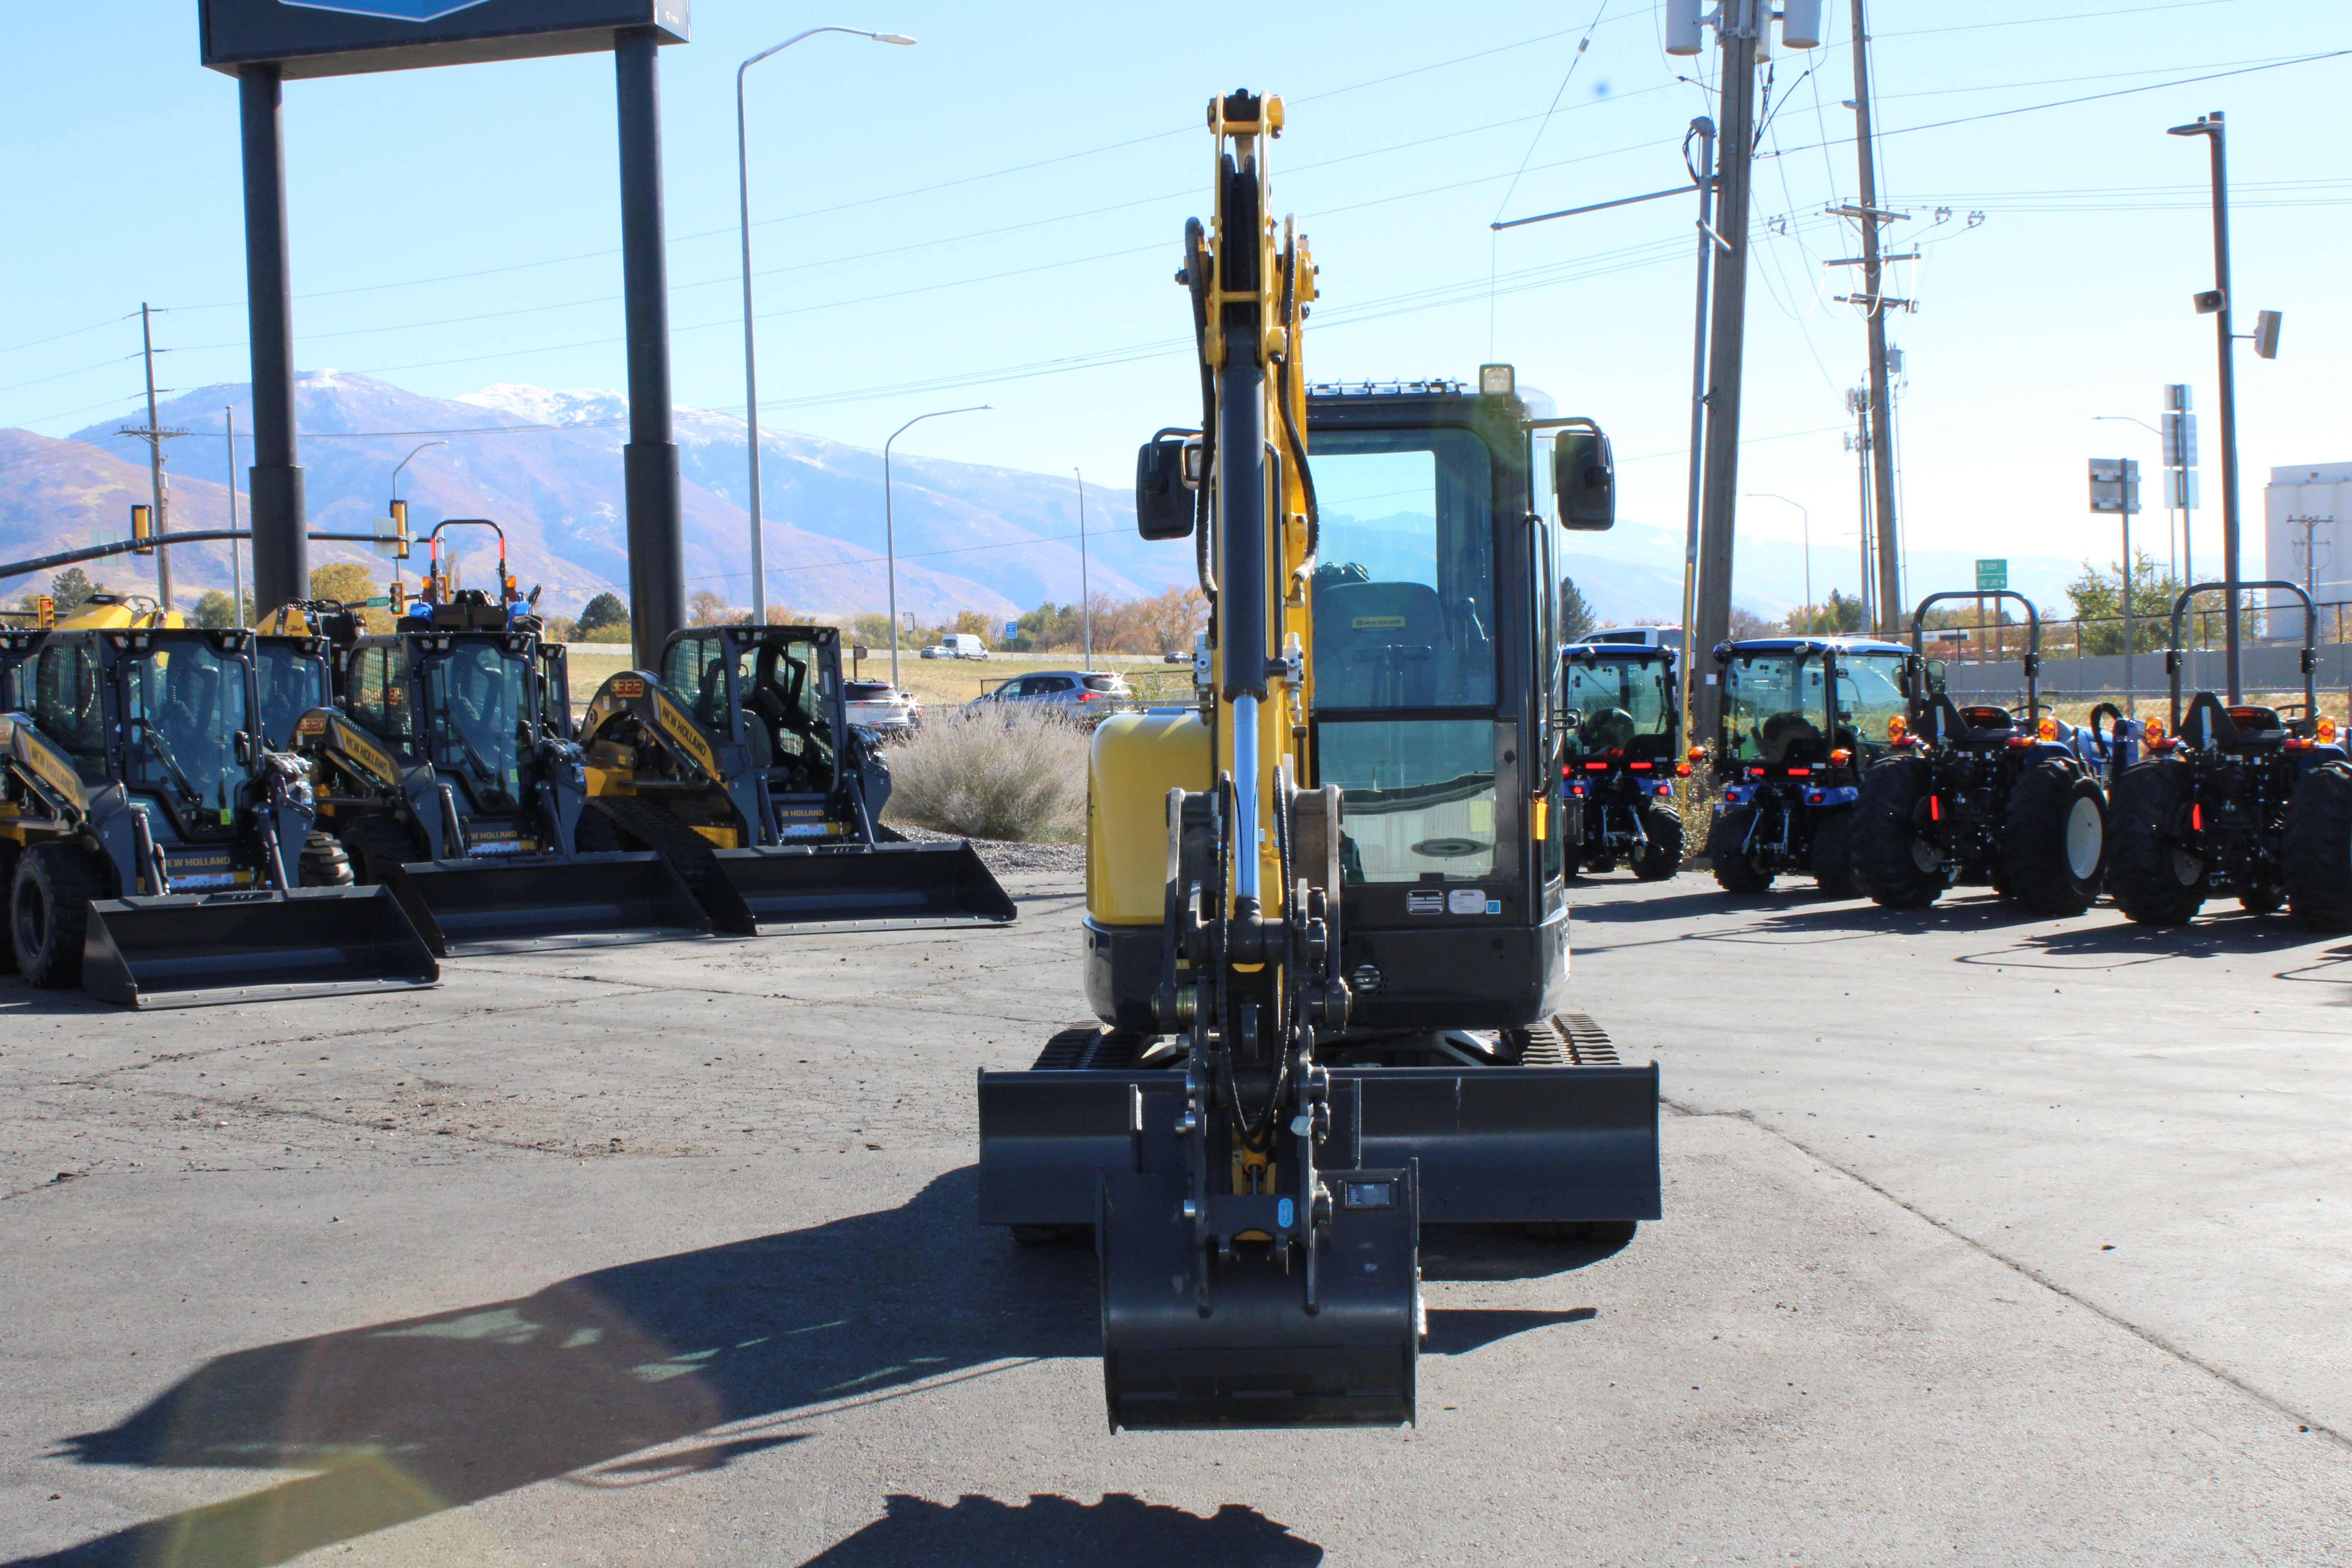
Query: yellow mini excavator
1327	929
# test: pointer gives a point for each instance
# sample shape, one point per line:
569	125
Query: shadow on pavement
401	1420
1509	1252
1055	1533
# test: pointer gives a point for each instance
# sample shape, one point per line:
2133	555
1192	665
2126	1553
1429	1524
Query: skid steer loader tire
2315	848
10	855
2053	840
324	864
1664	827
595	835
1736	870
376	843
48	911
1832	857
1898	867
2153	881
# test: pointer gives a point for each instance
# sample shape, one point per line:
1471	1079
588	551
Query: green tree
1576	615
1841	615
71	588
603	610
2098	599
215	609
348	583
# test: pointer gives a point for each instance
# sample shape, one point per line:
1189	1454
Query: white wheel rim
1926	856
2187	869
2086	835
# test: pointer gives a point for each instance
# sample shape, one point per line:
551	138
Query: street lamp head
2205	125
890	37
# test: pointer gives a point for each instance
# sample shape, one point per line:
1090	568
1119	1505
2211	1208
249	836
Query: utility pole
1857	402
1738	22
1868	217
154	434
1705	176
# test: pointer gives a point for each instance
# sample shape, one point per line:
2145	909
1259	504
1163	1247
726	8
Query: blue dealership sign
340	38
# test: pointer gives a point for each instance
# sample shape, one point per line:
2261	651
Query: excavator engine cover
187	948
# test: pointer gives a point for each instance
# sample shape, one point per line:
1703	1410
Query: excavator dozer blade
492	906
865	888
1494	1145
186	949
1261	1335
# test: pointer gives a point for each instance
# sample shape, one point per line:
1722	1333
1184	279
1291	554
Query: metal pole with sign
1992	577
2114	486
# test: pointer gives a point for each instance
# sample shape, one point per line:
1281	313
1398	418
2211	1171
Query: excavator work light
1497	380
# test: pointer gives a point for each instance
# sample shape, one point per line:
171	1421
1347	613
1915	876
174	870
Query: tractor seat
2252	721
1986	717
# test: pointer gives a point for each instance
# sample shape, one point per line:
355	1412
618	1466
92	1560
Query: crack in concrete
2150	1337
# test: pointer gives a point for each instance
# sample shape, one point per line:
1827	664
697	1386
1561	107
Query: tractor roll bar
2032	642
2310	640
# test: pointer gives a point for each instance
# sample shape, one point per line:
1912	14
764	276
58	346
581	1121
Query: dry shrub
1003	772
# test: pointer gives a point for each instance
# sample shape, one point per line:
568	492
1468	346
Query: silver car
1083	694
880	707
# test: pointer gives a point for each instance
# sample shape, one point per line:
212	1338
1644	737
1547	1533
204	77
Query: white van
962	645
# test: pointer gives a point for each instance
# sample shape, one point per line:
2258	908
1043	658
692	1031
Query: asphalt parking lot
1987	1240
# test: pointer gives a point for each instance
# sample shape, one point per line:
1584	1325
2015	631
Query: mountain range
547	467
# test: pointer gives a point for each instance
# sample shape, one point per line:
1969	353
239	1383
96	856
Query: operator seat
1379	645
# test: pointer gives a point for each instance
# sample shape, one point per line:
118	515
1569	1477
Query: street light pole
1806	523
403	462
750	366
2209	127
1086	593
891	528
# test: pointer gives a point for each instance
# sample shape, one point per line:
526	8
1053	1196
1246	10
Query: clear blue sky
1008	195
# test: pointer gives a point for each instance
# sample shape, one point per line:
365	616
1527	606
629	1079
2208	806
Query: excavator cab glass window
1773	706
479	721
182	707
1404	602
1416	797
1869	693
293	681
65	703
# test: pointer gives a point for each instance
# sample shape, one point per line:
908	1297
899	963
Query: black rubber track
9	854
595	835
1663	826
1735	872
1832	858
1893	791
2036	871
2315	848
323	863
48	911
2150	803
375	843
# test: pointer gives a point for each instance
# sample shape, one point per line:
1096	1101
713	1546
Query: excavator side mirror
1163	503
1583	480
1934	671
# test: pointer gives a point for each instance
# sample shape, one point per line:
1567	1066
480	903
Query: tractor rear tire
1735	870
1663	826
2053	840
324	864
1898	868
48	911
2153	882
376	844
1832	859
2315	848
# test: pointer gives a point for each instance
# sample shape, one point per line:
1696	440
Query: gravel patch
1002	856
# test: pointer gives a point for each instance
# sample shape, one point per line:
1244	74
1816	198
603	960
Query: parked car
962	645
935	651
1085	694
880	707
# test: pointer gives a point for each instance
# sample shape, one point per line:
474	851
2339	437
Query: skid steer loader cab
446	780
1620	754
1326	924
1801	719
736	764
153	843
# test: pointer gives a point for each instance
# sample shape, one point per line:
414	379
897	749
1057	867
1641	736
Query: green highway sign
1993	576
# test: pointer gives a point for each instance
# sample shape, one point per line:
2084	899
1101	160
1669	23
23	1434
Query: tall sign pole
2217	304
650	461
281	545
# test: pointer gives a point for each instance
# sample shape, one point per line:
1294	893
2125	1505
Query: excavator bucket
865	888
185	949
492	906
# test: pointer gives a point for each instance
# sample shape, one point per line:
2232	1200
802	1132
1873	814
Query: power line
77	331
2037	21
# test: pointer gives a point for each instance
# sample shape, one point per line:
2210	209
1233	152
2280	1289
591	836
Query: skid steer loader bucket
185	949
865	888
492	906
